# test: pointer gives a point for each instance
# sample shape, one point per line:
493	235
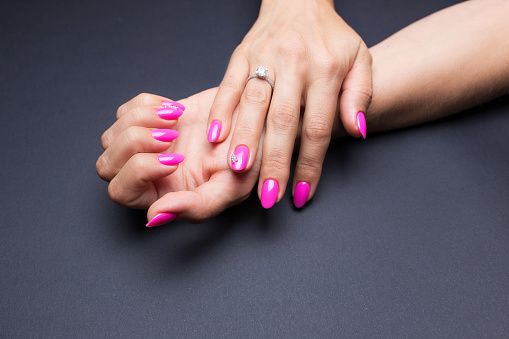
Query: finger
227	98
253	108
317	126
357	90
279	140
130	142
141	116
145	99
196	206
133	185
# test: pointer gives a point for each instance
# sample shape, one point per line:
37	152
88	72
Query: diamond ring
261	73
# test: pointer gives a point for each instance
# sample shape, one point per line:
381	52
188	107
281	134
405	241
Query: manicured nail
301	194
164	134
361	124
168	113
173	104
214	131
239	158
170	159
161	219
269	193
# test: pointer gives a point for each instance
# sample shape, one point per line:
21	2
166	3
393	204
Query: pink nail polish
173	104
239	158
269	193
170	159
164	134
161	219
361	124
168	113
214	131
301	194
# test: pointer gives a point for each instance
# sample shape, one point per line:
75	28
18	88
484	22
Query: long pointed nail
164	134
269	193
161	219
168	113
239	158
361	124
301	194
170	159
214	131
173	104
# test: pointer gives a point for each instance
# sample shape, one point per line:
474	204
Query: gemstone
261	71
234	158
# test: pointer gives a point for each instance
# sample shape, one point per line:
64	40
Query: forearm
449	61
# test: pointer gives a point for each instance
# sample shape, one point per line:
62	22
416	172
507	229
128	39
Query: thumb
206	201
357	90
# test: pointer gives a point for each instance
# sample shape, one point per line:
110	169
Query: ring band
261	73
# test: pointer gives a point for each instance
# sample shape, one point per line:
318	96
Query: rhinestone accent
261	71
234	158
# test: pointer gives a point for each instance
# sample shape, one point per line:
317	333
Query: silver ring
261	73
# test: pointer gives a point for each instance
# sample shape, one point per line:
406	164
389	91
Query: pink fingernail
173	104
164	134
361	124
269	193
168	113
214	131
170	159
161	219
301	194
239	158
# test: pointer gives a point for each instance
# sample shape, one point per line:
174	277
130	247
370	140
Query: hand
193	190
311	55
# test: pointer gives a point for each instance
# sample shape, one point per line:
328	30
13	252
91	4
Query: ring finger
253	108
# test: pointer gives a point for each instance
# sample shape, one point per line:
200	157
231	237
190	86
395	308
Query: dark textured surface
408	235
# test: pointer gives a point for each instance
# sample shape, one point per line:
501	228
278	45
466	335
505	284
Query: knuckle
292	48
284	117
218	109
115	192
229	83
101	166
132	138
317	131
106	139
328	66
121	110
277	162
144	98
247	132
255	94
311	167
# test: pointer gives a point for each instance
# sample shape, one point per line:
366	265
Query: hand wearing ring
298	52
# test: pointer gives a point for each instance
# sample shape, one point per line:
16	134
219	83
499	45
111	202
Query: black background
408	235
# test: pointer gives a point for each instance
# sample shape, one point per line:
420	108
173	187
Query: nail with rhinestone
239	158
174	105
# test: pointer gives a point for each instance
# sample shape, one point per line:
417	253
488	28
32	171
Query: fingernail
239	158
168	113
173	104
170	159
361	124
301	194
164	134
161	219
214	131
269	193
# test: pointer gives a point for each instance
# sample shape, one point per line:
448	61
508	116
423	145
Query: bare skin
440	65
